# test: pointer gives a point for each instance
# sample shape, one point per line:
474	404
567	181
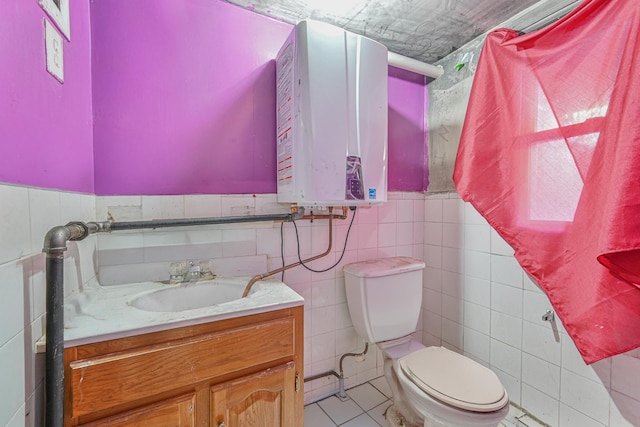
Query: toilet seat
454	379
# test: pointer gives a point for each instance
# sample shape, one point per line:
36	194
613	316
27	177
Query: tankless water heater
331	118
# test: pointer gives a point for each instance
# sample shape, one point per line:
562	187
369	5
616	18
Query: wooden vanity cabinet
244	372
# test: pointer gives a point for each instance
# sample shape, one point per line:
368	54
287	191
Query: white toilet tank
384	296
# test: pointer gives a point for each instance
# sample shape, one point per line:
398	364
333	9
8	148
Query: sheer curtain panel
550	156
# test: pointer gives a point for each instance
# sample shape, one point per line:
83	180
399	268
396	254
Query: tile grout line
387	400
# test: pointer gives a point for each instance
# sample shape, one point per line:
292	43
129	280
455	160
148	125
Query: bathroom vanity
243	370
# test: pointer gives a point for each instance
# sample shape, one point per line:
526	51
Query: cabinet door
176	412
263	399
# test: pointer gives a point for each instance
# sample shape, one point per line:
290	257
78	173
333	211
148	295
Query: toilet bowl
431	386
446	388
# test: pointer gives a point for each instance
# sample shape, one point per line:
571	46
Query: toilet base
397	418
399	414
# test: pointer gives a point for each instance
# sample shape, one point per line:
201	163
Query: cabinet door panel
177	412
263	399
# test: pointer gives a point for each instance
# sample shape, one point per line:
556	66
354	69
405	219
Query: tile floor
366	407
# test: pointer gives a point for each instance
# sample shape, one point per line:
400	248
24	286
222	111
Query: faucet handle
193	274
177	271
205	270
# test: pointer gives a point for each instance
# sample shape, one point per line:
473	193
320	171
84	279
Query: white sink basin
118	311
189	296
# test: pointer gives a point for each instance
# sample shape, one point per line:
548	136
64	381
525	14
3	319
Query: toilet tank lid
383	266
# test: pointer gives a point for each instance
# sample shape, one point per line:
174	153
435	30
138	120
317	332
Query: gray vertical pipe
54	358
55	244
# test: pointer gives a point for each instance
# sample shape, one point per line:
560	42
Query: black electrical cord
282	248
344	248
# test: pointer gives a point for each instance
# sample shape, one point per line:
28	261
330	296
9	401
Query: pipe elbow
55	241
297	214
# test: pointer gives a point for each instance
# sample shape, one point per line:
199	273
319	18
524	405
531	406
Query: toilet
432	386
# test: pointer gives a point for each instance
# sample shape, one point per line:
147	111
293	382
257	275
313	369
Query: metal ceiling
426	30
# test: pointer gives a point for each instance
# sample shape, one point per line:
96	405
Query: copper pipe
311	217
295	264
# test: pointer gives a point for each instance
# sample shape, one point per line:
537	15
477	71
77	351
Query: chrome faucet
190	271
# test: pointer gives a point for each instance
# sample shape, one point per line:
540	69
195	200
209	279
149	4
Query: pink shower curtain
550	156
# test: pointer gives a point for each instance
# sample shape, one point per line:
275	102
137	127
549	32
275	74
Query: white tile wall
506	299
542	375
621	381
477	345
476	300
477	237
586	396
15	223
535	360
12	303
506	270
571	417
506	358
507	329
624	411
544	407
477	318
204	205
27	214
539	341
477	264
498	245
12	372
452	308
477	291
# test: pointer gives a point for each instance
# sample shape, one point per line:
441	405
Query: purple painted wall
45	127
184	95
183	99
408	165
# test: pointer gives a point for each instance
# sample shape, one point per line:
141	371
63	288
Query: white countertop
103	313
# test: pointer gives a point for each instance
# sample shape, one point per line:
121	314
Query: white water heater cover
332	114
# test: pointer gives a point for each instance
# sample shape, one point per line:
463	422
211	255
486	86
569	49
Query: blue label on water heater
372	194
